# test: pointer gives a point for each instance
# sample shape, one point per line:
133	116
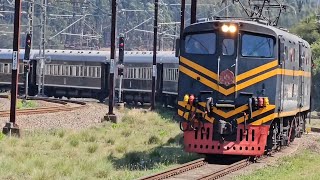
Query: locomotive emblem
226	77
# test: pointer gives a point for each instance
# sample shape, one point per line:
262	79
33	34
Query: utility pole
42	52
11	127
226	8
26	60
183	9
154	65
193	11
30	18
111	116
83	7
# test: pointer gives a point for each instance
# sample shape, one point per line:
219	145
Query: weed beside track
144	143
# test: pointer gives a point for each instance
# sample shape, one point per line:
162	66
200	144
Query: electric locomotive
243	88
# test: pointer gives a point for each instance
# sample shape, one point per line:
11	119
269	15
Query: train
85	74
244	87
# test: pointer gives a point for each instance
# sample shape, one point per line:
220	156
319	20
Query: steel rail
177	170
227	170
42	110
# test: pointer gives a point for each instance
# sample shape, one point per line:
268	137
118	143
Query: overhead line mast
42	48
154	64
111	116
255	9
193	11
11	127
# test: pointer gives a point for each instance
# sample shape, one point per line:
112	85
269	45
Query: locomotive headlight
229	28
232	28
225	28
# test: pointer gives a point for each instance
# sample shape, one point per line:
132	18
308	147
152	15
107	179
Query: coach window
200	43
1	68
99	72
56	70
73	71
21	68
64	70
60	70
257	46
228	47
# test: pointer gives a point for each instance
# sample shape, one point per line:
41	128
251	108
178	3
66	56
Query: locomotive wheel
272	140
293	131
101	100
299	127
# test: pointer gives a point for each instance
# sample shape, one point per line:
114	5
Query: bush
121	148
22	104
154	140
74	142
56	145
92	148
111	141
2	136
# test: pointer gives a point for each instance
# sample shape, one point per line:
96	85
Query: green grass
142	144
26	104
314	123
304	165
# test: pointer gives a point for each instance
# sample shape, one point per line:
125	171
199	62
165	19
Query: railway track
177	170
226	170
199	169
43	110
65	105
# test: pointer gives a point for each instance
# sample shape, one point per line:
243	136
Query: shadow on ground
164	112
166	154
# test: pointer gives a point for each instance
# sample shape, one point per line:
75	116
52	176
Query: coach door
283	56
301	77
227	68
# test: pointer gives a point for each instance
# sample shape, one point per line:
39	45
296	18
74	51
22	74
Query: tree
308	29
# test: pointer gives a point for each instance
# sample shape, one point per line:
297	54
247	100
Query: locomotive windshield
204	43
257	46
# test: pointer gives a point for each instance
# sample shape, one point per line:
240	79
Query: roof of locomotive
95	56
253	26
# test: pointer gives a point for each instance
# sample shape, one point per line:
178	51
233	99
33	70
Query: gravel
4	104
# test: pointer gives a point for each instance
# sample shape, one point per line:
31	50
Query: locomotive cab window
204	43
257	46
